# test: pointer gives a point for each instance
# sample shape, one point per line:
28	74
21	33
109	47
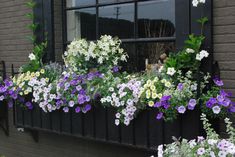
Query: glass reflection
113	1
117	20
81	24
156	18
152	52
79	3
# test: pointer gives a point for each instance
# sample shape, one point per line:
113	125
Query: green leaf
30	16
31	4
202	20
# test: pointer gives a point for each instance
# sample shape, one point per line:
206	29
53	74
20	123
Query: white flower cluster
197	2
211	146
105	51
125	99
42	94
202	54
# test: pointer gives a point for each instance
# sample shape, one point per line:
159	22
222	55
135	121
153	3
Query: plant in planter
92	71
211	146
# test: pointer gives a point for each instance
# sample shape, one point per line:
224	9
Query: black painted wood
100	125
65	122
77	124
36	116
55	121
113	130
89	124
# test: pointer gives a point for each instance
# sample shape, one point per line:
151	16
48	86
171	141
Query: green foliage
203	20
39	48
31	4
194	42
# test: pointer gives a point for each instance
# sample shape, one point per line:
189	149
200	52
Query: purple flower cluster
221	101
7	92
72	92
163	103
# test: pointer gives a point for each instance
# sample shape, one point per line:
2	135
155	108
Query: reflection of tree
156	28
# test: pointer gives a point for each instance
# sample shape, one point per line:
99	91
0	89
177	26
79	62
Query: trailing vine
38	49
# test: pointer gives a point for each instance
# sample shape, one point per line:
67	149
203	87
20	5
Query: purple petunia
86	108
180	86
192	103
218	82
66	109
181	109
29	105
77	109
159	116
115	69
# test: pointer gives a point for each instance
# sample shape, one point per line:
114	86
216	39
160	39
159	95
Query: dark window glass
80	3
113	1
81	24
131	65
117	20
156	18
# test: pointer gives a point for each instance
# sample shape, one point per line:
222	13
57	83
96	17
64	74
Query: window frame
135	39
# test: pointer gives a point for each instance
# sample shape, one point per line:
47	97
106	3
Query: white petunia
32	56
171	71
216	109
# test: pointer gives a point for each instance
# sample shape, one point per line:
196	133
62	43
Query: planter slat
156	134
45	117
77	124
100	125
89	124
113	130
66	122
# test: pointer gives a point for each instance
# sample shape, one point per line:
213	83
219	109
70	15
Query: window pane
113	1
152	52
156	18
117	20
81	24
131	65
79	3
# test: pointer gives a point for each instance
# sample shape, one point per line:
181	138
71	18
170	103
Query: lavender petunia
165	98
216	109
159	116
218	82
86	108
157	104
180	86
181	109
77	109
115	69
66	109
192	103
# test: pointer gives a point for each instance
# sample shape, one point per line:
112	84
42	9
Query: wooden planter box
144	132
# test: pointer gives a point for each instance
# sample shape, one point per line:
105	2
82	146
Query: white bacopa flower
204	54
199	57
216	109
212	141
222	154
189	50
32	56
171	71
195	3
117	122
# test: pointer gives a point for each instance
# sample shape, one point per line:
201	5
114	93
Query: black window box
144	132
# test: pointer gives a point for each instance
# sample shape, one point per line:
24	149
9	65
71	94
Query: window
147	28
